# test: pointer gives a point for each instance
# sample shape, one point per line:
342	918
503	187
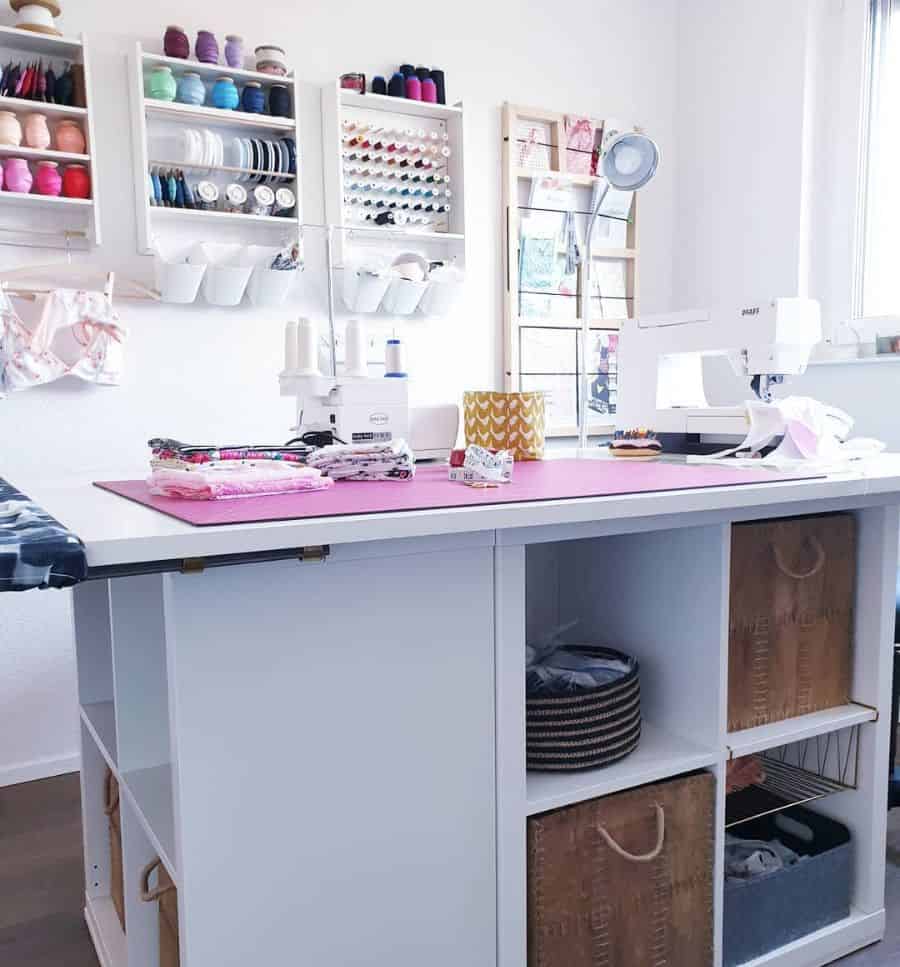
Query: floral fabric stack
366	461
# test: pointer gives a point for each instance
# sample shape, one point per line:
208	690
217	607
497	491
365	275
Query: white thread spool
307	342
36	15
394	364
355	363
290	346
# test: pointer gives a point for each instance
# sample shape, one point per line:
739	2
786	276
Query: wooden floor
42	876
42	881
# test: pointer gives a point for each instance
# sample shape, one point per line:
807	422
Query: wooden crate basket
626	880
791	618
116	875
166	895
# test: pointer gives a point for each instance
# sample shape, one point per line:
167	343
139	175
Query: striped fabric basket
587	728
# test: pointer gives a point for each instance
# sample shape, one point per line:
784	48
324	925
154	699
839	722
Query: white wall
204	374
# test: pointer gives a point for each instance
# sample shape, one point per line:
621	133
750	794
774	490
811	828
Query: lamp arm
584	382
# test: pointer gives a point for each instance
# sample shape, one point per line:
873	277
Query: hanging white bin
179	272
226	277
268	287
364	290
445	290
403	296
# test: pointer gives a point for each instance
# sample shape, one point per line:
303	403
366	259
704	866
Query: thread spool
429	91
438	77
291	347
406	70
397	85
422	73
355	365
379	85
394	364
307	345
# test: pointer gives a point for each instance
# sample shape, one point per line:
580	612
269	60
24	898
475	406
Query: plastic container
402	297
267	287
227	274
363	290
441	297
179	272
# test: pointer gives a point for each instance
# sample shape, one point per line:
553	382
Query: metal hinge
193	565
318	552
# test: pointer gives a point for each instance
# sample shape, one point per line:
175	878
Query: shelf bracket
871	708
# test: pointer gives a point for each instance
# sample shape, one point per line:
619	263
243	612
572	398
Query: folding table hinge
318	552
193	565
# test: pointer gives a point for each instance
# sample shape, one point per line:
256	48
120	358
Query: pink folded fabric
231	478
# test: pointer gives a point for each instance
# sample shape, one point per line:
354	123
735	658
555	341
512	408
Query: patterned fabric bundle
36	551
177	455
366	461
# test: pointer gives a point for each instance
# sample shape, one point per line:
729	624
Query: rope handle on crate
640	857
111	800
801	575
148	895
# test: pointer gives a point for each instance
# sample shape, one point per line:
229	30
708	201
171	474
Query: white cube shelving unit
74	222
154	123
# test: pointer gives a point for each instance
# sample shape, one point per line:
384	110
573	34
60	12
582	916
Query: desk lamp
628	163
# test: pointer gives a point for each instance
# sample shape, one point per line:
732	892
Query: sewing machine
356	410
661	380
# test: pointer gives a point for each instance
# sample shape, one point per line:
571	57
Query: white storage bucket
363	290
403	296
441	298
179	272
268	287
226	277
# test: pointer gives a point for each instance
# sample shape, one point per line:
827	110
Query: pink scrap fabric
579	144
215	481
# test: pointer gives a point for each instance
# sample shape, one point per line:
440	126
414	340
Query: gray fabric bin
772	910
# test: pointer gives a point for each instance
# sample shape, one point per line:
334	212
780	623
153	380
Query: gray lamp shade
630	161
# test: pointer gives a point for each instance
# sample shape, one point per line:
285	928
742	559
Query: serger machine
661	365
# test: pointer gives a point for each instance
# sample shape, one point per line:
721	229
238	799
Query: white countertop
118	531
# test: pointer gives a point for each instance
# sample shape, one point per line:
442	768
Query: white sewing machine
660	364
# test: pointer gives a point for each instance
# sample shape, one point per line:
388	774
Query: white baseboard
38	769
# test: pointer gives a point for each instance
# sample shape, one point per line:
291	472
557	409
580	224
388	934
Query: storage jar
76	182
234	51
162	85
279	101
10	129
271	60
48	180
207	47
17	175
70	137
225	94
253	100
191	89
37	134
176	43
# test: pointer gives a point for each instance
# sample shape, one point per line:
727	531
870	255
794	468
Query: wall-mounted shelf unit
159	145
541	325
42	220
393	158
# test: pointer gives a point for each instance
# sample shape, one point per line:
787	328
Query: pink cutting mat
431	490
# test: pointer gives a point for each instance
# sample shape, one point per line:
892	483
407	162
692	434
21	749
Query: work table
327	749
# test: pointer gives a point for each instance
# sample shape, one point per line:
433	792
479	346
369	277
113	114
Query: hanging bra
76	333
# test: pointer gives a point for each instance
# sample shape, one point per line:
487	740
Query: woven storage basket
791	623
116	876
167	895
588	728
624	881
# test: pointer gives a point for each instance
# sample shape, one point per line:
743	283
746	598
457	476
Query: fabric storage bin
403	296
166	894
775	908
116	876
628	877
268	287
586	727
506	421
179	272
364	290
226	276
791	617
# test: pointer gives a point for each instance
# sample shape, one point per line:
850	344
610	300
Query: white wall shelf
38	220
797	729
154	124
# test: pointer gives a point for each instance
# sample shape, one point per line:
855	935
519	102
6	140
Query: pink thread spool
17	175
429	91
48	180
413	88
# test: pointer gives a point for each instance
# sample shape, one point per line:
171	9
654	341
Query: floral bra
74	333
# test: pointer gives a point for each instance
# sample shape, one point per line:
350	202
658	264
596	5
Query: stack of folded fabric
235	478
365	461
177	455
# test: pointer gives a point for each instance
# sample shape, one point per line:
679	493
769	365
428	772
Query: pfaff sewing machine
661	379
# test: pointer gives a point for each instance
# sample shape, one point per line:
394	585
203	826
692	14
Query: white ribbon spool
35	15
